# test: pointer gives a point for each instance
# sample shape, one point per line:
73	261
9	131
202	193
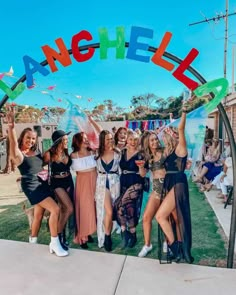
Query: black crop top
58	167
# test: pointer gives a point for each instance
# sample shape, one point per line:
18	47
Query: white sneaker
33	240
145	250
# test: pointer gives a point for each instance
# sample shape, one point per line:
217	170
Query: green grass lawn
208	247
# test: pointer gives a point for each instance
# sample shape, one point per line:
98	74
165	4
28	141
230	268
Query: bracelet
184	111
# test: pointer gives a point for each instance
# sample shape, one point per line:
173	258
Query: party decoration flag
51	87
10	73
75	120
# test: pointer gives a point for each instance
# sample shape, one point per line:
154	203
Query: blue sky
28	25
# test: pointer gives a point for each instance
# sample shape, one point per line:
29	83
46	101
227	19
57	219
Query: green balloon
212	87
12	94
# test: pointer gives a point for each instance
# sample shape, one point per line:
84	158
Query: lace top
175	163
84	163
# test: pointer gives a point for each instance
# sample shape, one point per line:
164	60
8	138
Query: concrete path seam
118	281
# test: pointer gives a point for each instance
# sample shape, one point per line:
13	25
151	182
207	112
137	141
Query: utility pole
218	17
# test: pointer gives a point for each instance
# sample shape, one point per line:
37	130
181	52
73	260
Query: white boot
33	240
55	247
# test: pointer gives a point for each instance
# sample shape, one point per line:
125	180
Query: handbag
146	184
45	175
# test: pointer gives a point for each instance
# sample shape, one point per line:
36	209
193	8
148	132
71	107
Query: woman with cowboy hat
61	180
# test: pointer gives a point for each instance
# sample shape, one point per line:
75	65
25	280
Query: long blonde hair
170	140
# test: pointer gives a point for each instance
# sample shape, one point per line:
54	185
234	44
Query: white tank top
85	163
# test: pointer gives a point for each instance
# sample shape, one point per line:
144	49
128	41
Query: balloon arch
220	107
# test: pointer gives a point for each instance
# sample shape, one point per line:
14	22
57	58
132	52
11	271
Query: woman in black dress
61	180
128	206
173	215
27	157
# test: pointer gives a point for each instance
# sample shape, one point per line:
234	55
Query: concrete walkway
27	269
223	215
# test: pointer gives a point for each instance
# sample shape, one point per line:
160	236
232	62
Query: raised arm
96	126
181	148
15	153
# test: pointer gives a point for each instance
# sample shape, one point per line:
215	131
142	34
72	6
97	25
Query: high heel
133	240
64	239
55	247
64	246
176	251
108	243
125	235
84	245
90	239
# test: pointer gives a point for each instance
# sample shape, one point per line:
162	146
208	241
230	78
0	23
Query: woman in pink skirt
84	164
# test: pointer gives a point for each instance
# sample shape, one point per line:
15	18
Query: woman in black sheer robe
127	207
173	215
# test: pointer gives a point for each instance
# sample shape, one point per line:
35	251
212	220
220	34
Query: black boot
125	235
133	240
176	250
84	245
66	248
108	243
90	239
64	239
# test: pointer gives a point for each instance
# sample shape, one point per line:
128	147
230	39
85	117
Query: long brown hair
116	136
77	141
54	151
101	147
22	135
145	148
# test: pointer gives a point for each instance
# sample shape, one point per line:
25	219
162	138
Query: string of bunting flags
146	124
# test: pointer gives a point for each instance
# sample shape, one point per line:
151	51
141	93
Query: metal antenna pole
233	68
226	38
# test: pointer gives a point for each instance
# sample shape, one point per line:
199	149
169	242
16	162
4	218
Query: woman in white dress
107	187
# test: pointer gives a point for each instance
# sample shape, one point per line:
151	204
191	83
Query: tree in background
144	100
